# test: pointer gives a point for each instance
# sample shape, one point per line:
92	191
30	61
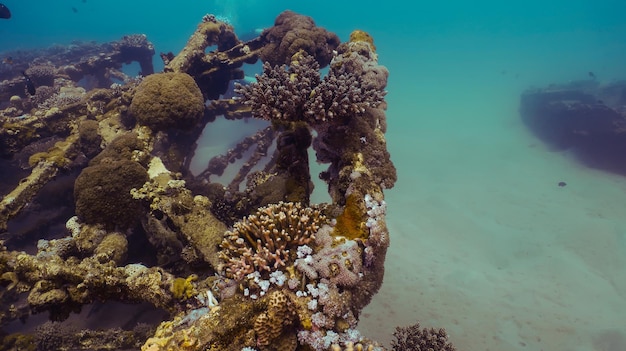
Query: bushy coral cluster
281	93
341	94
414	338
297	92
267	240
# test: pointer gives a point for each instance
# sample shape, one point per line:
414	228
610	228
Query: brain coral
168	100
102	193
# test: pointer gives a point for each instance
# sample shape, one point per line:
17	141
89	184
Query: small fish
592	75
74	9
7	60
4	12
30	87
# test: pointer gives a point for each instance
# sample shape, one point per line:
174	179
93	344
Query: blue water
457	69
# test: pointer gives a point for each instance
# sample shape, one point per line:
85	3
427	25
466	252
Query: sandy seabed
486	244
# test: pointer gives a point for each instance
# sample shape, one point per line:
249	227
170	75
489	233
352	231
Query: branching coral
413	338
298	93
268	239
281	93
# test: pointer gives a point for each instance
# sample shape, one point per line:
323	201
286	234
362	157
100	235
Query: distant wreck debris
585	117
248	265
100	64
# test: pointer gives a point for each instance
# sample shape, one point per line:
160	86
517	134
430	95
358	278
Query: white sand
485	244
483	240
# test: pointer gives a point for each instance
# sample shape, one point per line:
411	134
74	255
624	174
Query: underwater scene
279	175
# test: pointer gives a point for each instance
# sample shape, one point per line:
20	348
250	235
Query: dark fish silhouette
4	12
592	75
74	9
30	87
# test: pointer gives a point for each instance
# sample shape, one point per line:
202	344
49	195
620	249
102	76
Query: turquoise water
457	70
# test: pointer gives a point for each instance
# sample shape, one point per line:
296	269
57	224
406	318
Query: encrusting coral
292	33
102	193
253	265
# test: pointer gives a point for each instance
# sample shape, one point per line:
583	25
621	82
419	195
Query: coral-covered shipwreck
102	161
586	117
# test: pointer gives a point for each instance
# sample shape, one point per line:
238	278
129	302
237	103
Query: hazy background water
488	50
457	69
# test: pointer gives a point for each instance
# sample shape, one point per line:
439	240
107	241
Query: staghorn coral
298	93
281	93
413	338
168	100
267	240
293	32
342	93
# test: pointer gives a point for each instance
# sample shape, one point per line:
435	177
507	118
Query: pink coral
339	262
268	239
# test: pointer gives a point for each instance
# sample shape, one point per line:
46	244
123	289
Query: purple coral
268	239
298	93
414	338
340	263
341	94
281	93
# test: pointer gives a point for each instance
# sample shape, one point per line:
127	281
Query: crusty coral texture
102	193
293	32
413	338
168	100
270	324
268	239
340	262
298	93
